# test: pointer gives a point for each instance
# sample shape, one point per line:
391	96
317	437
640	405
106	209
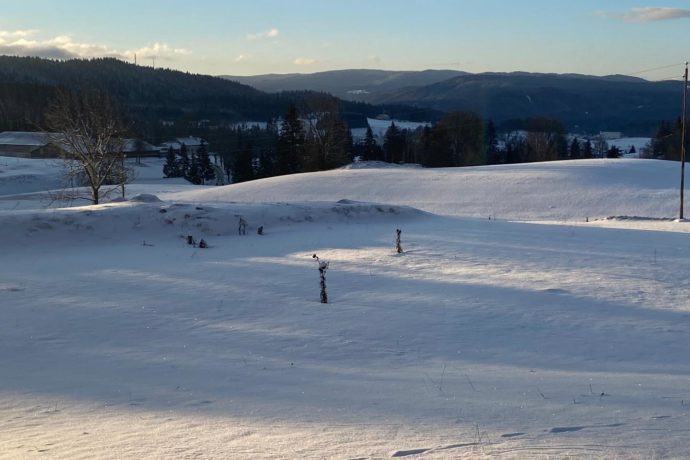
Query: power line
675	77
656	68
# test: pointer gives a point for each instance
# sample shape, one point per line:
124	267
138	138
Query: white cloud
648	14
241	57
158	51
304	61
375	59
272	33
14	34
24	43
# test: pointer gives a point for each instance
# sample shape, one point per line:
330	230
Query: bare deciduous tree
89	127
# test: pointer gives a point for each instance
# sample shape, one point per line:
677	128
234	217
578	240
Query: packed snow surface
492	335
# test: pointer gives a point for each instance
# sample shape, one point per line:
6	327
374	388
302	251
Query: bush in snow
323	266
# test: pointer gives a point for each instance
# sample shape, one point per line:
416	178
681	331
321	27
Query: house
191	143
47	145
29	144
610	135
138	148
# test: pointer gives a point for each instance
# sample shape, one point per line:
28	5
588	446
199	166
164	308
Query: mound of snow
378	165
145	198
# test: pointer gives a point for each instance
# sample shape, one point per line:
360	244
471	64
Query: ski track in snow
485	338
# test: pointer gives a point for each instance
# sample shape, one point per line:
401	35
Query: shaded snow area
486	338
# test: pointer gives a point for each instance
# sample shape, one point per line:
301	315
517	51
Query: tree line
667	141
317	138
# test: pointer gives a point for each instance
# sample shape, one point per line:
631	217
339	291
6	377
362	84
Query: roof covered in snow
189	141
25	138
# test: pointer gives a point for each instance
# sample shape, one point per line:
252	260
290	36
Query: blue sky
284	36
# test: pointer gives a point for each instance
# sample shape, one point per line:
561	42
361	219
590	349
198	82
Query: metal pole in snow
682	139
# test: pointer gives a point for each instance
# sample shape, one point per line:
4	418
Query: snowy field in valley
538	311
379	128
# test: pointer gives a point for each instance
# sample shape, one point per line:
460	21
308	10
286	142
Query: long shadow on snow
204	339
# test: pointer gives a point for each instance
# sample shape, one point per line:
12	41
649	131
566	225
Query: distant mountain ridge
152	95
583	102
353	84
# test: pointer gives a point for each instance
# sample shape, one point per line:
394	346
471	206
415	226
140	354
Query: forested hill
151	95
581	102
584	103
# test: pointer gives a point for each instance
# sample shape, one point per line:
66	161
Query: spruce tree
266	163
491	142
371	150
575	150
436	151
194	171
464	132
614	152
290	147
184	161
206	171
328	143
588	152
171	168
243	168
394	144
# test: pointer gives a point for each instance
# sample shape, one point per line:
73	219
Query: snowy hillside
486	338
564	190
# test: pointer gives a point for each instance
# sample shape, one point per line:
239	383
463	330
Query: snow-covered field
628	143
379	128
493	335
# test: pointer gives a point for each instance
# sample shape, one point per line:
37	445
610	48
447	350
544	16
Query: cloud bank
304	61
649	14
25	43
273	33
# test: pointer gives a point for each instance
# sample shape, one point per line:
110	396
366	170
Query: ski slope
486	338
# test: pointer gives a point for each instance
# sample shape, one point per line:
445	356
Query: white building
191	143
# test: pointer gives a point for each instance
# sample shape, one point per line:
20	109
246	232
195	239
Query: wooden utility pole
682	138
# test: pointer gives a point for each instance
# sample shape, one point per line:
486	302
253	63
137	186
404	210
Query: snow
379	128
547	331
626	143
25	138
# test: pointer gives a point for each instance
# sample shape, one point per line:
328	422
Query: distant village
46	145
